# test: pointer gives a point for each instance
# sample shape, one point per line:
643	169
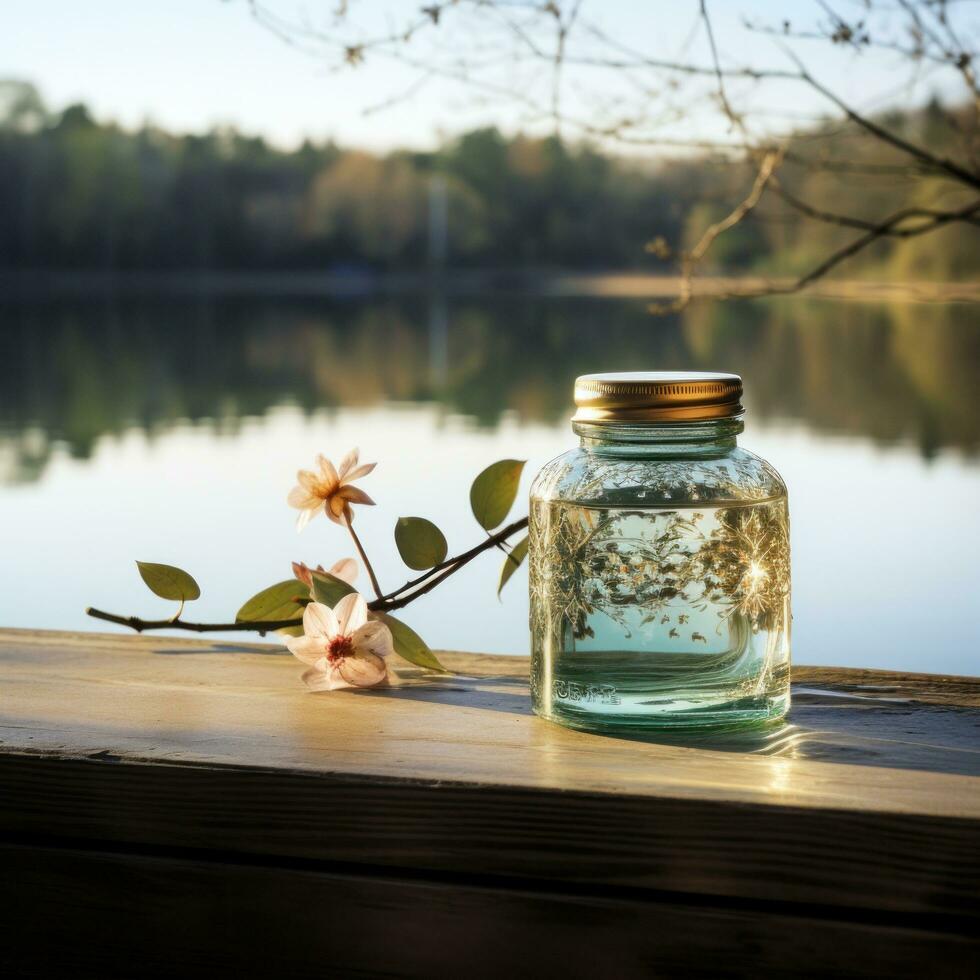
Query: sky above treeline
189	65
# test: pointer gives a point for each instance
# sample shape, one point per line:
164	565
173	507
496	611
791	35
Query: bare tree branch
887	227
942	164
546	39
848	221
691	259
734	119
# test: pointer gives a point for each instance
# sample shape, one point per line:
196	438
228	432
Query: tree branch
943	164
923	32
143	625
409	592
453	567
733	118
846	221
360	550
690	260
491	542
889	227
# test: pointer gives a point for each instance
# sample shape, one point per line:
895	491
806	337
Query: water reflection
74	370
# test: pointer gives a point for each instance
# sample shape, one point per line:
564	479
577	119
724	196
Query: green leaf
512	562
409	645
284	600
329	589
493	492
168	582
420	543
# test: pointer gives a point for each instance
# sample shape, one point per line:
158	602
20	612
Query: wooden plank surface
861	816
178	700
179	917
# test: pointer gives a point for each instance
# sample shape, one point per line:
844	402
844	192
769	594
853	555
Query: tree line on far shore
81	194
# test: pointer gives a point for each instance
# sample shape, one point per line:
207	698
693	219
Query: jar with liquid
659	563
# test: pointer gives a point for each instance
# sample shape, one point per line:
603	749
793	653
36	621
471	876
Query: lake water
171	431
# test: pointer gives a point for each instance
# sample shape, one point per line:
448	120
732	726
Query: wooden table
184	807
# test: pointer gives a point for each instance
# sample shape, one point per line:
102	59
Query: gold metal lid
657	396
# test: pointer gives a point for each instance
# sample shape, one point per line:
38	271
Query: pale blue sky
189	64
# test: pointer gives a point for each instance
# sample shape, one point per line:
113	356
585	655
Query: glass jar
659	563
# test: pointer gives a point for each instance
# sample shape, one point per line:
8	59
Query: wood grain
918	869
178	917
167	763
153	698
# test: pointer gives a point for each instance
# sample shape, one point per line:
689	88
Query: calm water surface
171	431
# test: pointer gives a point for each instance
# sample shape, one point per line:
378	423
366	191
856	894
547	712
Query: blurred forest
80	194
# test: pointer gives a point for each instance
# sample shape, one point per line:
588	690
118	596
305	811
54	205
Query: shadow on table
504	694
829	724
224	647
823	725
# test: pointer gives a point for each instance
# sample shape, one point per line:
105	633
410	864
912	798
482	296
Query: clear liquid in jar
647	618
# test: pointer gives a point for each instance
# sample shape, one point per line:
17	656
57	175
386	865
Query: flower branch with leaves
343	638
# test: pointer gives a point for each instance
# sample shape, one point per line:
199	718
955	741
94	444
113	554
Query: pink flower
345	570
342	648
329	490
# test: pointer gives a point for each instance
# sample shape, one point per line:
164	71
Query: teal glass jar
659	563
